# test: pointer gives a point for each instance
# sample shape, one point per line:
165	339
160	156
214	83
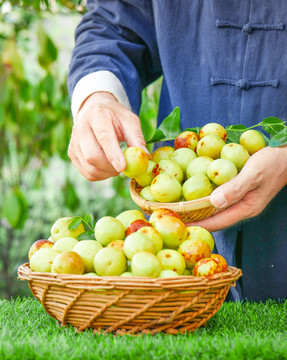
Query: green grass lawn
237	331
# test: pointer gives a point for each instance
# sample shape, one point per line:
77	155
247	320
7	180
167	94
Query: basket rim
187	282
181	206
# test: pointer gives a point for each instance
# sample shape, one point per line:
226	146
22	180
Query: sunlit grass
237	331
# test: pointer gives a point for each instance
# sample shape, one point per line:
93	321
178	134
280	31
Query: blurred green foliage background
38	183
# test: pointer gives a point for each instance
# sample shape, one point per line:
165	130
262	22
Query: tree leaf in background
279	139
12	59
76	221
87	235
15	209
48	52
272	125
2	116
194	129
48	85
71	198
11	209
157	85
169	128
148	116
234	132
24	211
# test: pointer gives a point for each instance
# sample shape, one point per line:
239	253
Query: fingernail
147	152
218	199
148	155
117	165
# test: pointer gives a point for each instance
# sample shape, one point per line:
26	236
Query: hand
101	124
246	195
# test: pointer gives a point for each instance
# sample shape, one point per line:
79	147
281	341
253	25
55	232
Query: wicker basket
188	210
130	305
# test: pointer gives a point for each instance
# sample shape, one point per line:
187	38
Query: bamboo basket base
130	305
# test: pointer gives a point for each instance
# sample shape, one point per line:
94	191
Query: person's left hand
246	195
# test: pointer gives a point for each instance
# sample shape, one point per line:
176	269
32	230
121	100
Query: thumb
232	191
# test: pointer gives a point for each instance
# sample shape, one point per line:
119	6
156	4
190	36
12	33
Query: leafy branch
169	129
275	127
89	224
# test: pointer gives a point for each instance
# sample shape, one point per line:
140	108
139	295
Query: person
221	61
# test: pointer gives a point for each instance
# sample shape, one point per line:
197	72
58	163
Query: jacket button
243	84
247	29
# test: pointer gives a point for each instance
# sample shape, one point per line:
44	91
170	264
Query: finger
233	190
107	139
93	154
89	172
132	131
224	219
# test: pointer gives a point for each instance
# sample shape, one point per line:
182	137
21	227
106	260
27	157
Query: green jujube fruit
198	166
165	188
196	187
236	153
221	170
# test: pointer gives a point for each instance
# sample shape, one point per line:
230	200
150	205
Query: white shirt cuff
98	81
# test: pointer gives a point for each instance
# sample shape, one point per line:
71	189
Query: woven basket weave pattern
130	305
188	210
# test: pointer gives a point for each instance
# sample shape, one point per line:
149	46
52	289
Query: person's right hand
101	124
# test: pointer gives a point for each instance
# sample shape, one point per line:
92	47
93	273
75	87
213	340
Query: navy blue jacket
222	61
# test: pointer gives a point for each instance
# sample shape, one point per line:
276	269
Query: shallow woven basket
130	305
188	210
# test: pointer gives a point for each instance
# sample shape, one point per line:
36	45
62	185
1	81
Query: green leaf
11	58
48	84
2	116
266	139
71	198
272	125
15	209
234	132
12	209
168	129
76	221
279	139
92	222
194	129
24	211
87	235
48	52
87	218
148	116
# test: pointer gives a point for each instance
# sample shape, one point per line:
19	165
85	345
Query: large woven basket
188	210
130	305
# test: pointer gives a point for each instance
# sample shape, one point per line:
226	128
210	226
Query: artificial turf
237	331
